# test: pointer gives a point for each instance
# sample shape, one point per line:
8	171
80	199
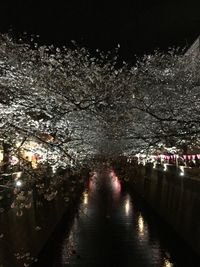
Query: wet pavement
112	228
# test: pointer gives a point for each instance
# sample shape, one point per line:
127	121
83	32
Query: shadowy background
139	26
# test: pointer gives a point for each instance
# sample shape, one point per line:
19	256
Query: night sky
139	26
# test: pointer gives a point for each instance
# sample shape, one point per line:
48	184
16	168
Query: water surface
113	228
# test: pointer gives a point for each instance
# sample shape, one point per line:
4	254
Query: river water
113	228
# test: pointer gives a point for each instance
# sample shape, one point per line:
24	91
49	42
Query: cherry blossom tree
71	106
166	99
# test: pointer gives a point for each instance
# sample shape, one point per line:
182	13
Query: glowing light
167	263
18	183
127	206
31	151
118	186
182	169
141	224
85	198
1	156
165	168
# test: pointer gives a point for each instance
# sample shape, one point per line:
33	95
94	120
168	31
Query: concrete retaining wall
175	198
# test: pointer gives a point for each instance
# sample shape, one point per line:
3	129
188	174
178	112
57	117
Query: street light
18	183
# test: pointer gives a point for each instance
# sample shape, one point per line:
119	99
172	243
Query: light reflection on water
85	198
141	225
127	205
124	237
167	263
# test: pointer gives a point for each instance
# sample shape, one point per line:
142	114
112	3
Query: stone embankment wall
22	239
175	198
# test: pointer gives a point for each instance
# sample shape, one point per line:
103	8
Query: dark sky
139	26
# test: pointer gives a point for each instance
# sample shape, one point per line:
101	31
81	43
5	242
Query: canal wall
22	239
175	198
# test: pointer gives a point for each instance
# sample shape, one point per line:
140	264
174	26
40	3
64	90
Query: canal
113	228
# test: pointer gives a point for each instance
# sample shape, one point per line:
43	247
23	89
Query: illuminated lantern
189	157
185	157
198	156
193	156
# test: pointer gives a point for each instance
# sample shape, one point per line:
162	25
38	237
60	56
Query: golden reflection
167	263
141	224
127	206
85	198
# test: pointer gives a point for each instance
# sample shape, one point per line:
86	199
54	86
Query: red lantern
185	157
